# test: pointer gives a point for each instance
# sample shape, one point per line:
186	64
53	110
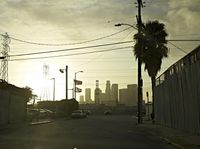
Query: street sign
77	82
78	90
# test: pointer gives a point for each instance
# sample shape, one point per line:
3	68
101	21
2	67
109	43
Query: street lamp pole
53	88
66	73
75	84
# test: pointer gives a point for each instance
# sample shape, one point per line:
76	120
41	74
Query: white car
78	114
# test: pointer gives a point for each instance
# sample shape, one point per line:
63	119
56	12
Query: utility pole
148	115
4	57
66	73
140	83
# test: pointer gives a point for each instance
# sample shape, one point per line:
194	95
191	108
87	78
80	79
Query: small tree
28	94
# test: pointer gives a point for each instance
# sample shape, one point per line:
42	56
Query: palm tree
153	50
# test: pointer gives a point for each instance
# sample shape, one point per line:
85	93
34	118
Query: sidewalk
178	138
12	127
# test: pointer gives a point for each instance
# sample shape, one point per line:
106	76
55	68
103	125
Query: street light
140	82
66	72
75	83
2	57
120	24
54	80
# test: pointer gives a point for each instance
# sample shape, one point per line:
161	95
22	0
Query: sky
49	25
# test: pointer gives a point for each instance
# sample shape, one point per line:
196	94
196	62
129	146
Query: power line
64	44
184	40
73	54
70	49
178	47
95	58
114	69
113	76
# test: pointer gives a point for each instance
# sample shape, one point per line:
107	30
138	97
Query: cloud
70	12
79	18
183	17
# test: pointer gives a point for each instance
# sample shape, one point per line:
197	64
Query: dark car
87	112
108	112
78	114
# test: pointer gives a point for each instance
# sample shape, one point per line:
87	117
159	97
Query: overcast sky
67	21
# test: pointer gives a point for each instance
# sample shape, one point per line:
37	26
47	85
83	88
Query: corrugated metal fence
12	108
177	95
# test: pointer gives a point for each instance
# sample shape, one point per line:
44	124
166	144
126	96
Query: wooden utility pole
140	82
66	77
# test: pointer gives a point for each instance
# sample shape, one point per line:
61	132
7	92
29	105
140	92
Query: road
94	132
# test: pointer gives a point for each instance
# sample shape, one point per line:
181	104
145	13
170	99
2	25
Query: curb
172	143
39	123
167	140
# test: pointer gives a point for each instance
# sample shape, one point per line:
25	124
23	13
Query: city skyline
111	95
54	22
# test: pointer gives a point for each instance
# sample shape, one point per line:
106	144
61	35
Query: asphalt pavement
94	132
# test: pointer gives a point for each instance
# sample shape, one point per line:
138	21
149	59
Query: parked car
87	112
45	113
35	114
108	112
32	114
78	114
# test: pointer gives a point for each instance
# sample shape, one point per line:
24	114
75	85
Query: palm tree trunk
153	82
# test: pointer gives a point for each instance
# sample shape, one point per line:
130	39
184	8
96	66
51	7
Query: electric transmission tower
4	54
45	95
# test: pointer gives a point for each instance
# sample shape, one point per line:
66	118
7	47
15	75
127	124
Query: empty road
94	132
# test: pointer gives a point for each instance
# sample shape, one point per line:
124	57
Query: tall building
110	97
123	96
108	91
97	93
103	98
81	99
114	93
128	96
132	94
88	95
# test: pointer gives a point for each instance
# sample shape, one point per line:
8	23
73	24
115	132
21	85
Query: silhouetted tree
153	49
28	94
